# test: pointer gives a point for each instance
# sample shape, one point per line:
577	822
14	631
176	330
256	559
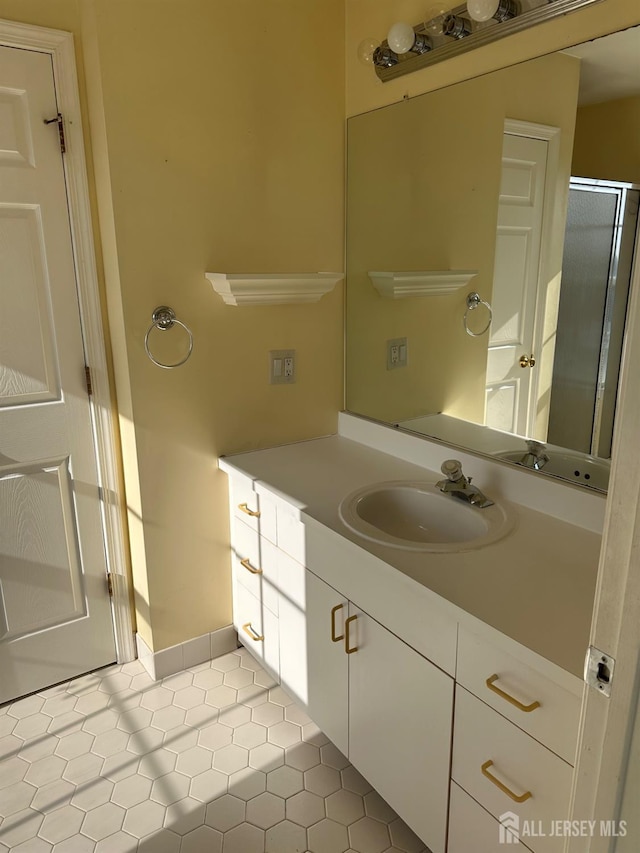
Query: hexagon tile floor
216	759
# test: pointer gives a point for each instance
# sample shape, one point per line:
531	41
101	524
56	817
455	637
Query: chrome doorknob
527	361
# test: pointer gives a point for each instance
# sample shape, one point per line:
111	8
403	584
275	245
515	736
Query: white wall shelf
272	288
399	285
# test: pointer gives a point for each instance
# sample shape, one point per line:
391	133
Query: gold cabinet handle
347	641
334	637
252	512
250	568
248	629
517	798
511	699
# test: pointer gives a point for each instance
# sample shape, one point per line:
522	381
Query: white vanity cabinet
454	724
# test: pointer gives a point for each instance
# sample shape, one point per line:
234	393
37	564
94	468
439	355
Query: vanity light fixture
449	32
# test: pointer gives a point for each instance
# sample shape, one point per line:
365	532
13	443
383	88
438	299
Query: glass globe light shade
434	19
366	49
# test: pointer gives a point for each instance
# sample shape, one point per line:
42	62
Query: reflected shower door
596	272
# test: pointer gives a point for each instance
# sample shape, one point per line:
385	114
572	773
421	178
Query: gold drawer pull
248	629
252	512
347	642
521	798
526	708
250	568
334	637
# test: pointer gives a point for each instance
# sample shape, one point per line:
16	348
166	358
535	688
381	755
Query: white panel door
510	389
55	614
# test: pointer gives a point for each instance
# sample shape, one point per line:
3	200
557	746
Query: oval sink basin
417	516
579	467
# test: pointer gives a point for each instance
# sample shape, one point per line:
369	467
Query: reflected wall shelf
398	285
272	288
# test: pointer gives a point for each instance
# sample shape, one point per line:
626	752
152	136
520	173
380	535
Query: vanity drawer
492	756
472	828
257	628
256	511
254	563
519	685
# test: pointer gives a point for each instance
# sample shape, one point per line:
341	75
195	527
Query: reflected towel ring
164	318
473	301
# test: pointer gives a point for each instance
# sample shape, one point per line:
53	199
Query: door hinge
110	584
87	376
598	670
60	122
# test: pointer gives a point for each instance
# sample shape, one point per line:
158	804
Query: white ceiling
610	67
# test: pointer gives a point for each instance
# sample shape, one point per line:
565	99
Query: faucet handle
452	469
535	447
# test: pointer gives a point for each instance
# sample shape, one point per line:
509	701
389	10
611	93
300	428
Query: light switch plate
397	352
282	366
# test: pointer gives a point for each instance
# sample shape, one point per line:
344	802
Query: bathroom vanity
451	676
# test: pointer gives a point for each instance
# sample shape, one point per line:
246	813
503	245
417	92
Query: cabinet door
328	664
400	721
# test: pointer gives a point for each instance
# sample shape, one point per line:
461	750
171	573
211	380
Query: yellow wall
423	189
607	143
209	157
372	19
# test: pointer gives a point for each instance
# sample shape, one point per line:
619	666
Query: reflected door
511	361
55	614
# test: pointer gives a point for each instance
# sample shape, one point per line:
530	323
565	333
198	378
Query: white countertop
536	585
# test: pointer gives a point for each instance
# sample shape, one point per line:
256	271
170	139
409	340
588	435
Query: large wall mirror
491	231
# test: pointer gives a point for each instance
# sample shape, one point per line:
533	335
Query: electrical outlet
282	366
396	353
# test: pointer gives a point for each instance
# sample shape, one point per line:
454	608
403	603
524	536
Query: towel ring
473	301
164	318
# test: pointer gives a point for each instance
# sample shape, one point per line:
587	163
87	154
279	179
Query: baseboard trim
190	653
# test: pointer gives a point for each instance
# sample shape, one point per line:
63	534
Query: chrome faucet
459	486
535	457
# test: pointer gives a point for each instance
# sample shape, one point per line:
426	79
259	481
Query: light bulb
366	50
401	37
434	19
484	10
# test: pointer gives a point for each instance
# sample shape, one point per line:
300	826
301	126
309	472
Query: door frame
606	724
60	47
